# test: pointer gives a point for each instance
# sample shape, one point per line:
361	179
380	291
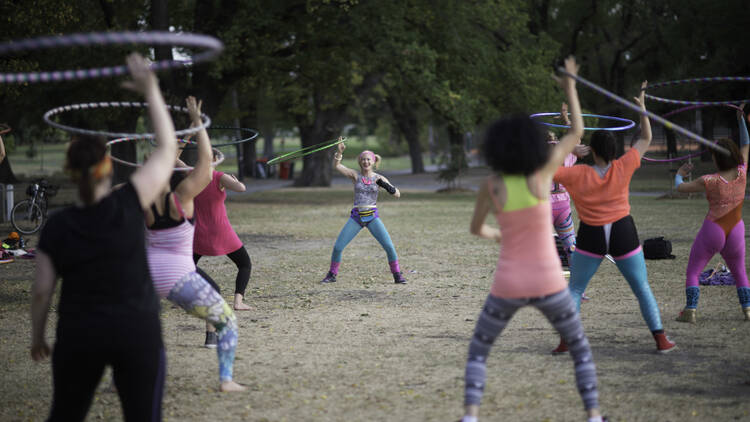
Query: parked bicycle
29	215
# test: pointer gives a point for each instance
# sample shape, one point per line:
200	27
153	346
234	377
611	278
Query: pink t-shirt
214	235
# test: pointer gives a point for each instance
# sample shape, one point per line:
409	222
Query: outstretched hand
194	108
144	78
581	150
741	112
641	98
341	146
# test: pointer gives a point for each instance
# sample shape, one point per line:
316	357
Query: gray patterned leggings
560	310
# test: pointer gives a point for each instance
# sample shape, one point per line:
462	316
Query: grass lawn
364	349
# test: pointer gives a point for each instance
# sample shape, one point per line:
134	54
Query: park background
416	81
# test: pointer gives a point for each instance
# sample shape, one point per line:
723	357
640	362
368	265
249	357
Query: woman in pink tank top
723	230
518	194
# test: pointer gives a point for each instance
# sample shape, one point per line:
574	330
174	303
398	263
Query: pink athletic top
725	198
557	190
214	235
170	253
528	265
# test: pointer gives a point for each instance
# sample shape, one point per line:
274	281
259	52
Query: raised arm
346	171
149	179
228	181
200	176
41	296
2	150
744	137
573	137
482	207
644	141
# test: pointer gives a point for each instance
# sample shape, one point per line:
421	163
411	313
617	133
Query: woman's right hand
342	146
194	109
685	169
39	350
143	78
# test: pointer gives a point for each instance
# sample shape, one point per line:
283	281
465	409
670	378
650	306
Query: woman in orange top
600	193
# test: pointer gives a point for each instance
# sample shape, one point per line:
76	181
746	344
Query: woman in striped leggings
518	195
169	249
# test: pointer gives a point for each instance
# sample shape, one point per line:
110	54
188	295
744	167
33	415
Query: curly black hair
516	145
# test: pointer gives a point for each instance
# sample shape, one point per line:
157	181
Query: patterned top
528	265
214	235
557	190
601	200
366	190
725	197
170	253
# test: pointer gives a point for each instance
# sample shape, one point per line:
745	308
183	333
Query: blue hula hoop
630	123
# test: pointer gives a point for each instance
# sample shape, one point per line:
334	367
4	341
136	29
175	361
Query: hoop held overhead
212	45
638	110
691	155
630	124
253	134
698	80
206	121
219	155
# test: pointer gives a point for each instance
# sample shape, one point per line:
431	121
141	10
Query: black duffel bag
657	248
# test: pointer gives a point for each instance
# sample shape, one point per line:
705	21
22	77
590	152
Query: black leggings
134	350
244	267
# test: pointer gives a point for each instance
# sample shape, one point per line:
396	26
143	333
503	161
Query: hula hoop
84	106
691	155
637	109
212	45
219	155
698	80
252	132
630	124
4	128
304	151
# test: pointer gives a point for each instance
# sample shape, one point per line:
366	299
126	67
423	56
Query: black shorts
623	238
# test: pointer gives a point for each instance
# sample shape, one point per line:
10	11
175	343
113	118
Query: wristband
338	157
744	138
387	186
678	180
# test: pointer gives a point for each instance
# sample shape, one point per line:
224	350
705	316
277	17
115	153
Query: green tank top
518	194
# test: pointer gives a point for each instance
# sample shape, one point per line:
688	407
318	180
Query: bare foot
241	307
227	386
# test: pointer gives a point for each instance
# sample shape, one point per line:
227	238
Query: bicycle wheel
26	217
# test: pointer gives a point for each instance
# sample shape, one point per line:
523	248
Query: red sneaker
663	343
561	348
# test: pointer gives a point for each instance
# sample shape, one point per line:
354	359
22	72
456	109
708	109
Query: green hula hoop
304	151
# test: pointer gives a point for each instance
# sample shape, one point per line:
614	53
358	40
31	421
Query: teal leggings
351	228
583	267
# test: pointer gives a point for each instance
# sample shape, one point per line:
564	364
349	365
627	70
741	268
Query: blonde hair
375	157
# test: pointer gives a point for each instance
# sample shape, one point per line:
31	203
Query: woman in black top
108	310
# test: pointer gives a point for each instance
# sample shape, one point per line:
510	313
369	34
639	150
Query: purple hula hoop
678	111
698	80
637	109
212	45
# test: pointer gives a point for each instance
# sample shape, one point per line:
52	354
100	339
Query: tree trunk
707	131
317	169
671	143
406	120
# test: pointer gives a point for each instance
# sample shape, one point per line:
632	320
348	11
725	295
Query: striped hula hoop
637	109
698	80
206	121
213	47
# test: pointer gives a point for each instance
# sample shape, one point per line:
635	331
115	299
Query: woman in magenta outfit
214	235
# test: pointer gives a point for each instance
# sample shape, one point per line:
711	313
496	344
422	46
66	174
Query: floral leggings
193	294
